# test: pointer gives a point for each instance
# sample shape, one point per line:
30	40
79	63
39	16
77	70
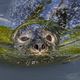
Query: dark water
69	71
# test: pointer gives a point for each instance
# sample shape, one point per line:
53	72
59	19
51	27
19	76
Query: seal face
35	40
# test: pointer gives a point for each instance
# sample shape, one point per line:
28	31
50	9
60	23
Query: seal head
35	40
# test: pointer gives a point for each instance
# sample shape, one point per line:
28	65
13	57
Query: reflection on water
69	71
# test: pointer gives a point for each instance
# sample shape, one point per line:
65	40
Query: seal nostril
43	46
36	46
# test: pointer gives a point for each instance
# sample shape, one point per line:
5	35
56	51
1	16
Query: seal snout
39	46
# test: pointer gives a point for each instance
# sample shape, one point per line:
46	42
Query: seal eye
24	38
49	38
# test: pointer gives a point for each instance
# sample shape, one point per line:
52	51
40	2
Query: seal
36	40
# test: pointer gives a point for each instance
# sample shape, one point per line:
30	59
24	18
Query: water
68	71
18	11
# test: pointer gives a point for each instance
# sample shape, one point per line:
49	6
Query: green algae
5	34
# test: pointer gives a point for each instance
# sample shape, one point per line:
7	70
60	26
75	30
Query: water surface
68	71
